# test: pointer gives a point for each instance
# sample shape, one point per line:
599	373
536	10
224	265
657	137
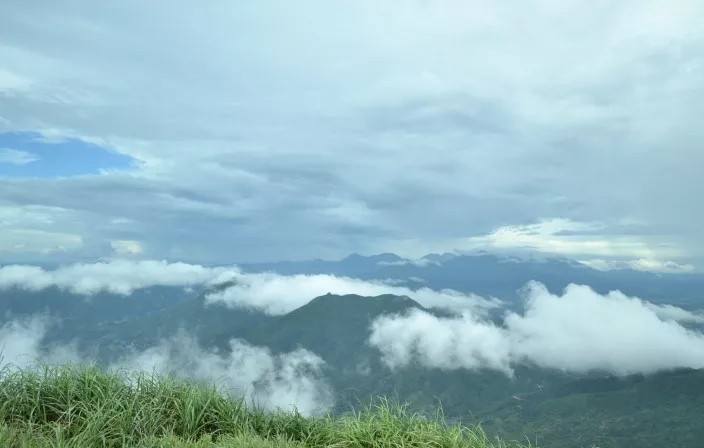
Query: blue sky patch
25	154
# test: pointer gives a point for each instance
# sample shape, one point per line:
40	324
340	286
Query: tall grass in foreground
66	406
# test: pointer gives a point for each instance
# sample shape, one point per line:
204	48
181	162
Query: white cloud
10	81
29	215
36	229
589	242
126	247
279	294
264	379
420	262
121	221
579	331
17	157
677	314
641	264
458	343
268	292
583	330
24	241
561	236
117	276
21	344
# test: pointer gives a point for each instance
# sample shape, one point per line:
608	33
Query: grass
83	406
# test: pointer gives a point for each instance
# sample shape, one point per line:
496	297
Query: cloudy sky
225	131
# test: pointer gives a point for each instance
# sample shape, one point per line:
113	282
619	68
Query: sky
239	131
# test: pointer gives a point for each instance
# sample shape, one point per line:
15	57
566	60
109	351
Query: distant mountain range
562	410
501	276
556	408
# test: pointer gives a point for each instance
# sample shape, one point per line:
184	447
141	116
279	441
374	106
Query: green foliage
555	408
655	411
65	406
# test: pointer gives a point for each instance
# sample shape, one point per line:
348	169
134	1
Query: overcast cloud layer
278	130
580	331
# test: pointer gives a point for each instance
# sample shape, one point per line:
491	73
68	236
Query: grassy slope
86	407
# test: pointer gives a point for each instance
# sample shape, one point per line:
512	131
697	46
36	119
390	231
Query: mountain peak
381	302
439	258
384	257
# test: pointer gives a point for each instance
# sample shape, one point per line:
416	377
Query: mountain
332	326
560	409
98	307
500	276
337	328
208	323
354	265
646	412
439	258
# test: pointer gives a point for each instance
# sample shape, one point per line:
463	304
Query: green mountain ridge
642	411
556	408
332	326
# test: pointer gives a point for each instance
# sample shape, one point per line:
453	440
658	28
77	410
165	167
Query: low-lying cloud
264	379
21	343
671	312
280	294
444	343
579	331
420	262
117	276
268	292
641	264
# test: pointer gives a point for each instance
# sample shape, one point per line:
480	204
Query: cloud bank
458	343
21	343
641	264
580	331
264	379
279	294
117	276
271	293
